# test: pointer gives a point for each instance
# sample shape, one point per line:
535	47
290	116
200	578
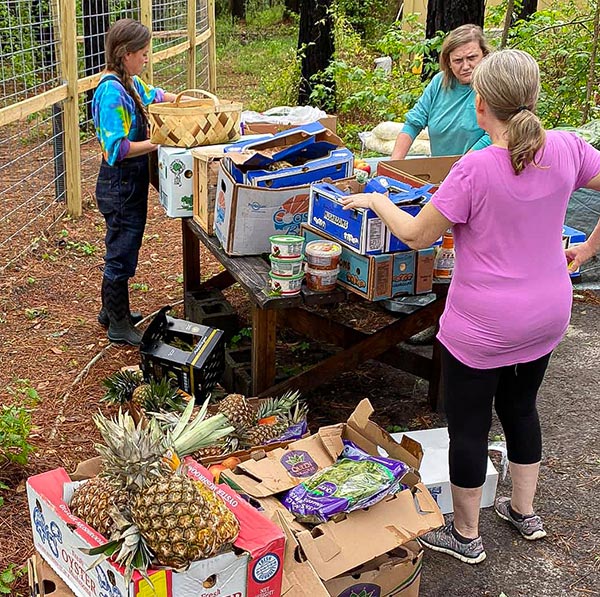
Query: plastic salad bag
356	480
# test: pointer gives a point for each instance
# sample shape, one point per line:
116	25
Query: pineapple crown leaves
132	453
189	435
278	406
126	546
162	395
120	386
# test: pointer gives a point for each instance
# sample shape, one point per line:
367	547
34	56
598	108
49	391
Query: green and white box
175	181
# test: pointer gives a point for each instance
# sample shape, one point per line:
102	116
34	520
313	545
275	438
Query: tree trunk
95	25
316	46
292	6
238	9
526	9
445	15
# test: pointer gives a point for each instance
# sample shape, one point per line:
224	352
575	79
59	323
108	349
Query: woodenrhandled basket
190	123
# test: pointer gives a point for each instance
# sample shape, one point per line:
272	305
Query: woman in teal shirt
447	106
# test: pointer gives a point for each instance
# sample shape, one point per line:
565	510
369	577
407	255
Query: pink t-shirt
510	297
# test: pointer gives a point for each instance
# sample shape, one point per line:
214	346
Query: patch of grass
257	64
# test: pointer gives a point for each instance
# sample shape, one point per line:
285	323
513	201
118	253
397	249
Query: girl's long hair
126	35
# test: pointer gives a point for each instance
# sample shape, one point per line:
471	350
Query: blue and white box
571	238
308	153
360	229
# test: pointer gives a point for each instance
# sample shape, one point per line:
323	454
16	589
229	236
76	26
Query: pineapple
93	500
158	396
121	385
237	410
275	416
167	517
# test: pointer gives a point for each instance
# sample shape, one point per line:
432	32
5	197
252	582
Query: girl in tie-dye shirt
121	121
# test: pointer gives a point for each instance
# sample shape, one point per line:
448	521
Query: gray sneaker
531	527
443	540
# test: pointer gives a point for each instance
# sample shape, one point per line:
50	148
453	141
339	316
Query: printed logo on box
49	534
435	492
299	463
266	567
291	214
361	590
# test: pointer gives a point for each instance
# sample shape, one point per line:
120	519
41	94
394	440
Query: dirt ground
50	339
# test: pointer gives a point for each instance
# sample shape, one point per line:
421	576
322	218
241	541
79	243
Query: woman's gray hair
459	37
509	83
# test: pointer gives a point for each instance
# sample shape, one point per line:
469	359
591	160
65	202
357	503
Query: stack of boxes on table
248	191
371	549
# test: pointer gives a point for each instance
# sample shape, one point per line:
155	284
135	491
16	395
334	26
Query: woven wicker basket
190	123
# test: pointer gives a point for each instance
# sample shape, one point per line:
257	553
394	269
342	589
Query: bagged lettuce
356	480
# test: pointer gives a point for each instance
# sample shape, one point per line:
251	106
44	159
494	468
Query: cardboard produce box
205	164
434	468
251	203
361	229
175	181
396	573
206	172
43	581
335	547
253	569
379	277
261	128
418	171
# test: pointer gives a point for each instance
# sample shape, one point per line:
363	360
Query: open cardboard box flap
299	577
286	467
283	145
370	436
332	548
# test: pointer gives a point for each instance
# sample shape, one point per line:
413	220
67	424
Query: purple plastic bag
355	481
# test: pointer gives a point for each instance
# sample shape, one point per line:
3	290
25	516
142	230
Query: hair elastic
521	108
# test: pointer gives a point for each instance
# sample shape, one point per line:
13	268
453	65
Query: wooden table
268	311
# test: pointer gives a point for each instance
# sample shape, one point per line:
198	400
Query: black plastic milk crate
163	354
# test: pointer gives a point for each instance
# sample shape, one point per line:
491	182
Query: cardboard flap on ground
286	467
333	548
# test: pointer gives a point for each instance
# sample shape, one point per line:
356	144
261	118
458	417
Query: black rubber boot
115	298
103	320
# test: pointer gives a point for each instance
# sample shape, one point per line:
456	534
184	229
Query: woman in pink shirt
509	301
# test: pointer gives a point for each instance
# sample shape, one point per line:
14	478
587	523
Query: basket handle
214	98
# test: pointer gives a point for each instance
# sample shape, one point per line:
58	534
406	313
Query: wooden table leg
264	332
191	262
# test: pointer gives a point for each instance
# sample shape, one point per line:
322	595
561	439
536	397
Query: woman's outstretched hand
361	200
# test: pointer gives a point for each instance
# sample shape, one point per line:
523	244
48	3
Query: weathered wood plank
264	331
367	348
251	272
317	327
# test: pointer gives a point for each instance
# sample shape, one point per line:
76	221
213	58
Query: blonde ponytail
509	82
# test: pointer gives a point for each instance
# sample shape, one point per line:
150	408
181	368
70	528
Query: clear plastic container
443	264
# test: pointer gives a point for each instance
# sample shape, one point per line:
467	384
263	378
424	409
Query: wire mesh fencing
33	162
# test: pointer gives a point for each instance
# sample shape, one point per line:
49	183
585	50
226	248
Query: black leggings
468	397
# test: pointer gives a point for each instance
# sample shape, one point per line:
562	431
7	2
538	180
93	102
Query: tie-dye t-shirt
115	117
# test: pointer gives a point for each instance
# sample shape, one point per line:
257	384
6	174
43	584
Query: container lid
325	273
323	248
286	238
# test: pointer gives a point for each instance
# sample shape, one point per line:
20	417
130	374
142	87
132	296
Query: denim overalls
122	197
